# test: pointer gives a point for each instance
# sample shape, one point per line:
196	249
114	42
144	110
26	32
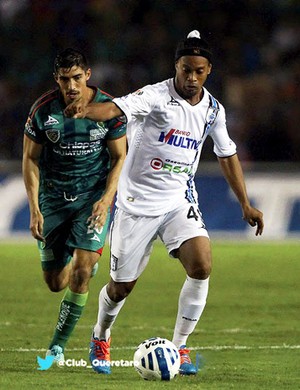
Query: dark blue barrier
220	209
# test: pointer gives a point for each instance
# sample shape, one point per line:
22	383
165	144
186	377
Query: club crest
53	135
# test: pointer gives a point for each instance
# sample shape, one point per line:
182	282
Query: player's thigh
195	256
84	261
131	238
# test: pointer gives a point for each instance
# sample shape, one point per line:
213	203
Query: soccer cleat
58	353
100	355
186	365
94	270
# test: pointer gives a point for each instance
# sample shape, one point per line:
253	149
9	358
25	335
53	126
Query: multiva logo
179	139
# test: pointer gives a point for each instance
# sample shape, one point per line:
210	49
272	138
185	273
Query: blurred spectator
256	67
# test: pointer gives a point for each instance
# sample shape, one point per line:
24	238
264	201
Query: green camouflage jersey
75	158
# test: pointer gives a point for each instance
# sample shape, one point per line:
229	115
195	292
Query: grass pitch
248	335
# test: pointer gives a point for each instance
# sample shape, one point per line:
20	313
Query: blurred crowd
256	60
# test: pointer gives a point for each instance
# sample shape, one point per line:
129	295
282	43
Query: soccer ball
157	359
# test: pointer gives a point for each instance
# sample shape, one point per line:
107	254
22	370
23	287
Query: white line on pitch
203	348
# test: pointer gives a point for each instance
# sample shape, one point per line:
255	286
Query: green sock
70	311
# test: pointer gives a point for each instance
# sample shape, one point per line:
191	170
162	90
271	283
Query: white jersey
165	137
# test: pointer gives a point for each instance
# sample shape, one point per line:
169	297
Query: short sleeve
117	129
32	130
223	144
138	103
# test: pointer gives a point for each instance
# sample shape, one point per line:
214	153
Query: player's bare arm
31	155
117	150
233	173
98	112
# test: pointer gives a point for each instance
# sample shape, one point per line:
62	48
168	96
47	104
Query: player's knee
56	280
118	294
200	270
119	291
54	285
80	276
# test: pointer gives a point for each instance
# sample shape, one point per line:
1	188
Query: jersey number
192	213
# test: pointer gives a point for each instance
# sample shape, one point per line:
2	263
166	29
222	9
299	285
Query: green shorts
66	228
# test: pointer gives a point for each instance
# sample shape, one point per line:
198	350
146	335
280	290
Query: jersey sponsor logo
51	121
98	133
28	127
78	148
156	164
173	102
170	166
179	139
53	135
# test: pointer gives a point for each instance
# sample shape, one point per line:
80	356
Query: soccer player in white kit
167	124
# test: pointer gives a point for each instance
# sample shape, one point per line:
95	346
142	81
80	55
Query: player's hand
99	214
77	109
255	218
36	225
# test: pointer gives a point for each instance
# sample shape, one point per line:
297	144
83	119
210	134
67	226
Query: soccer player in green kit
70	169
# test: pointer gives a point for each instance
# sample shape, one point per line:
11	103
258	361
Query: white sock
191	304
107	313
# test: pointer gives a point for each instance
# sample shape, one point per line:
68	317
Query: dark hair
193	46
68	58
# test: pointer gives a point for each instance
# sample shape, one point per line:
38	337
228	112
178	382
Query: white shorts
131	238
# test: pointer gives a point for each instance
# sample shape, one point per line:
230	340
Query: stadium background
256	75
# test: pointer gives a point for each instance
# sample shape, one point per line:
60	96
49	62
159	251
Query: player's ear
88	74
55	77
209	68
